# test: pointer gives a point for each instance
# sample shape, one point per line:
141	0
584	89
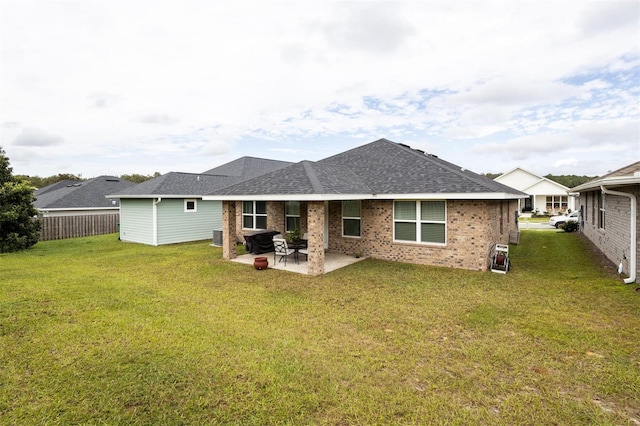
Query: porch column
228	230
315	244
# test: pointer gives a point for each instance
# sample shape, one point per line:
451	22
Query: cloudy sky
118	87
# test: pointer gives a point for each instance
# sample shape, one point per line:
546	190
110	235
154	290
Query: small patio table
297	245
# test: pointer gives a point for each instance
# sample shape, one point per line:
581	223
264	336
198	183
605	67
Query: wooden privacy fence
60	227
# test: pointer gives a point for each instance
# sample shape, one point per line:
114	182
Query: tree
41	182
19	226
570	181
138	178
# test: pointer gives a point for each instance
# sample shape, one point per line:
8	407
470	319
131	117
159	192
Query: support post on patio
228	230
315	242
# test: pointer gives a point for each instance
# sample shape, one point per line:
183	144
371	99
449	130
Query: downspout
633	220
154	222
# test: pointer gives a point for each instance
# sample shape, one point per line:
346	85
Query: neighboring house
609	206
545	195
382	200
80	197
78	208
169	208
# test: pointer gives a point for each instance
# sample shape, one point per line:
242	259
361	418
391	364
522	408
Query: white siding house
545	195
169	209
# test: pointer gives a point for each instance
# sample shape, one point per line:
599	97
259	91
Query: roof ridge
458	170
313	177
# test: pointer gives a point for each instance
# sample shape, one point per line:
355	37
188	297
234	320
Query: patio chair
304	251
281	249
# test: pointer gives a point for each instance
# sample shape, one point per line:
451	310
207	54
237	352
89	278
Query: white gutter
154	221
339	197
633	220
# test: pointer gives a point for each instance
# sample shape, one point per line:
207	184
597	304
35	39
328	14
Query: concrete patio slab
332	261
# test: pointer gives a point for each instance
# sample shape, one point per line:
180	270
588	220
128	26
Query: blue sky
117	87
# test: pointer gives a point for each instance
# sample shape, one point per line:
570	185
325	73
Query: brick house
382	200
610	216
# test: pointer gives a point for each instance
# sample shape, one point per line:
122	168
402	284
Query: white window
190	206
254	214
601	211
557	203
351	218
292	213
420	221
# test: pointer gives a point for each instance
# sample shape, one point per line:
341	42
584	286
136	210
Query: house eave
48	209
153	196
338	197
610	181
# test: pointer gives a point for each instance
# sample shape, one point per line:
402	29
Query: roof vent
112	180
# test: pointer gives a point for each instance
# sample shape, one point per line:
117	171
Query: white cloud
177	84
36	137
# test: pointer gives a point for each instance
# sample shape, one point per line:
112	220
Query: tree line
41	182
570	181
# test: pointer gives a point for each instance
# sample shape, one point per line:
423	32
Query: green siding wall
136	220
176	226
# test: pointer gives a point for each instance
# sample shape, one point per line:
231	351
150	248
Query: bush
570	226
19	226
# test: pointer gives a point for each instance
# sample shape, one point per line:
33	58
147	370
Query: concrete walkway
332	262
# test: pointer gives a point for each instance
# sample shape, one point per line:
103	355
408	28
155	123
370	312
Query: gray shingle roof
627	175
73	194
380	167
248	167
178	184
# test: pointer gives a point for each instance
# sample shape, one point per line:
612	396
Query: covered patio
332	262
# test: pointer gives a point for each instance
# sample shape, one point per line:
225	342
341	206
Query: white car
559	220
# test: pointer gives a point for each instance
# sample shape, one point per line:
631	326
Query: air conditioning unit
217	237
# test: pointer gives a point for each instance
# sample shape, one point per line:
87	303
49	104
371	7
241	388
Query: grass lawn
96	331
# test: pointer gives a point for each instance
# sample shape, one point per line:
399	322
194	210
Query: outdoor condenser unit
217	237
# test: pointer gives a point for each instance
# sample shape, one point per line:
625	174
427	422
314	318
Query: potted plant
293	235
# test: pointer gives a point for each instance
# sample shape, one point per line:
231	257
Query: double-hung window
292	213
420	221
351	218
601	211
254	214
557	202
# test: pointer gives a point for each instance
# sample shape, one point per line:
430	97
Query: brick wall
315	243
275	218
613	241
229	221
472	229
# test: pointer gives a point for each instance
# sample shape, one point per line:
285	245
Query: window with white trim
420	221
190	206
292	215
254	214
351	218
601	211
557	202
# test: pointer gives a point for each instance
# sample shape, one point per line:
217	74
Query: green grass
537	219
96	331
